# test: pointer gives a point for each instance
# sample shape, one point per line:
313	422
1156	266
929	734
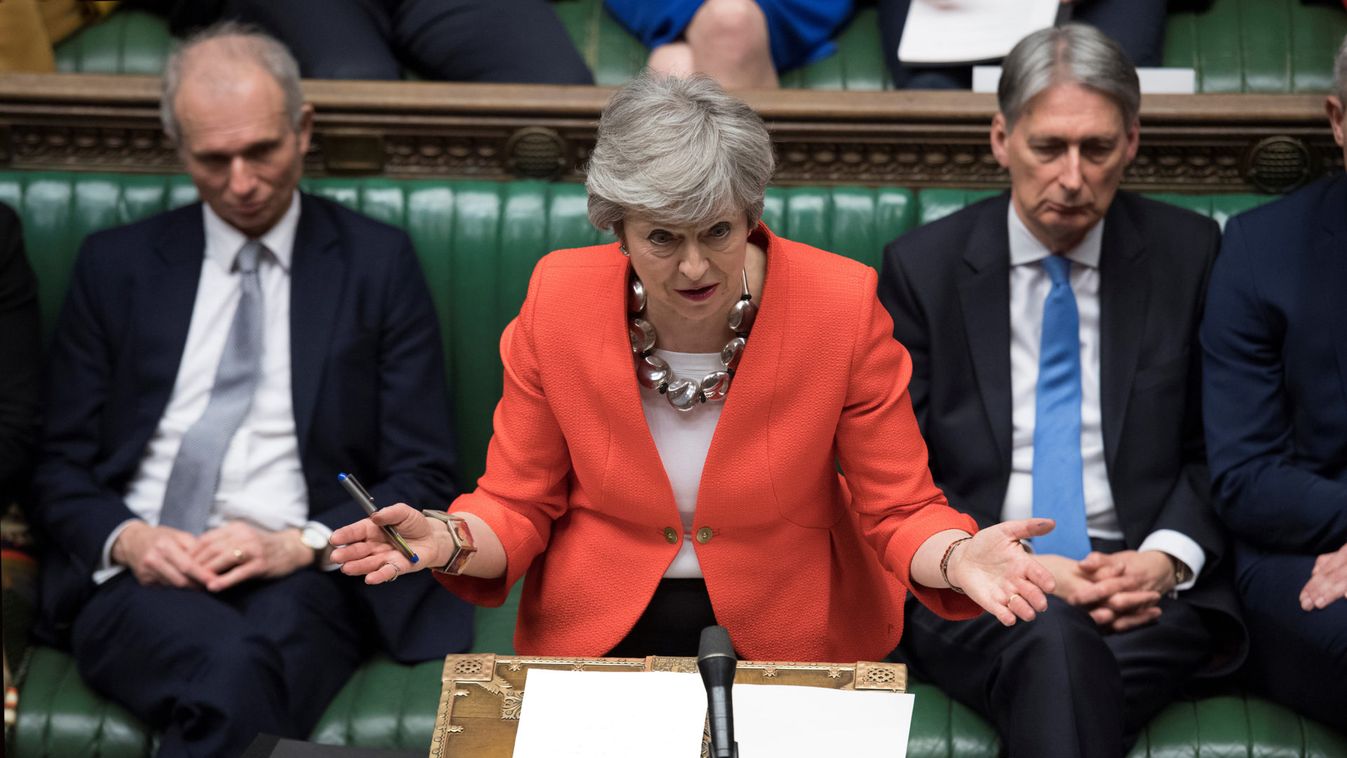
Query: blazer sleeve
416	443
1188	508
74	508
528	466
1264	497
911	328
883	457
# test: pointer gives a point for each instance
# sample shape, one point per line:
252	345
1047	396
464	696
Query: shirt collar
1026	248
223	241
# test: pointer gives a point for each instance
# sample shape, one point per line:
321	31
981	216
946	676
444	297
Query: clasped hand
215	561
1120	590
1328	581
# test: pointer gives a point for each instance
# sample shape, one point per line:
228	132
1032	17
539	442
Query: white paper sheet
782	721
1154	81
611	714
964	31
599	714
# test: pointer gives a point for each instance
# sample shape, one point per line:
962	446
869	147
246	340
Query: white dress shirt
1029	286
683	440
261	479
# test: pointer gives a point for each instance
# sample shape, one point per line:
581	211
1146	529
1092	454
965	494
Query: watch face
313	539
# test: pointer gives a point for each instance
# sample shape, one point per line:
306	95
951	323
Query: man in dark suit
214	369
1274	342
20	344
1051	332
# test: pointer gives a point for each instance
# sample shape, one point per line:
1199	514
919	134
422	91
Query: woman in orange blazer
676	408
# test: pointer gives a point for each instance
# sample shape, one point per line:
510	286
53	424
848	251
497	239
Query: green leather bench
1265	46
478	242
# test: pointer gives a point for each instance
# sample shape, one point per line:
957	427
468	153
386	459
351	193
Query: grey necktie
196	470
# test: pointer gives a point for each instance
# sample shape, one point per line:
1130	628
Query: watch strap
461	536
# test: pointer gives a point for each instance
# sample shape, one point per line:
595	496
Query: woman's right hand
363	549
997	573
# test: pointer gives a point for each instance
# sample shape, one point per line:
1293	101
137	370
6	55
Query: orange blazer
801	563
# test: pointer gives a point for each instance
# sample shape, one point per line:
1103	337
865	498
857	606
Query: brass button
704	535
670	534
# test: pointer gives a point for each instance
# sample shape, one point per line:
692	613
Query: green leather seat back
1257	45
611	52
1235	46
126	42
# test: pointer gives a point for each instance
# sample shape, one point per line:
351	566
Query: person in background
213	370
676	406
520	41
20	380
740	43
1056	374
21	348
1138	26
29	29
1274	344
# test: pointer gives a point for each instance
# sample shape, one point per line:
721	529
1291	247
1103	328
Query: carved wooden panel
482	694
1206	143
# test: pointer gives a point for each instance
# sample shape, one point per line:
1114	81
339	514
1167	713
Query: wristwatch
464	547
316	540
1181	574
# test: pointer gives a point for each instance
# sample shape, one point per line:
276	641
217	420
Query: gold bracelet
944	563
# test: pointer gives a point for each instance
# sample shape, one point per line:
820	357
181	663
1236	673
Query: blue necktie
190	492
1059	488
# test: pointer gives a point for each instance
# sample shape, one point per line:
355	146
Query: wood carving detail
1206	143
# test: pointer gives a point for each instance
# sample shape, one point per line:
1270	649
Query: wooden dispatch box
481	696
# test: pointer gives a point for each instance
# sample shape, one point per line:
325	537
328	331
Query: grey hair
1340	72
239	42
1071	53
678	149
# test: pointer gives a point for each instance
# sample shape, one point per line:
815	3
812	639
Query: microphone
716	662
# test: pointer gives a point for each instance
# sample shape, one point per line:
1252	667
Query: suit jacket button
704	535
670	535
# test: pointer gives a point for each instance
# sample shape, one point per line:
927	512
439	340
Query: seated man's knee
1062	628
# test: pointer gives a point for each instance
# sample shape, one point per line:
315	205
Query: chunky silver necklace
654	372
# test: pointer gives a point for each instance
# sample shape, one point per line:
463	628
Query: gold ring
238	555
1011	599
397	572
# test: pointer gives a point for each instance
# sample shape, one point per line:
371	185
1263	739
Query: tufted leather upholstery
1235	46
478	242
1257	45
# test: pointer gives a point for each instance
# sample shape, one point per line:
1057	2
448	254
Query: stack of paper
598	714
964	31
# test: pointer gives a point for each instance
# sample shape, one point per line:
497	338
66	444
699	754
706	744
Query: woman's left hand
996	572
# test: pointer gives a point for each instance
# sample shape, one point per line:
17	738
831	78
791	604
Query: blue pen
362	496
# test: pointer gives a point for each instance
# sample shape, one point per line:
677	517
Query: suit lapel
1331	250
164	310
1123	295
984	296
316	275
